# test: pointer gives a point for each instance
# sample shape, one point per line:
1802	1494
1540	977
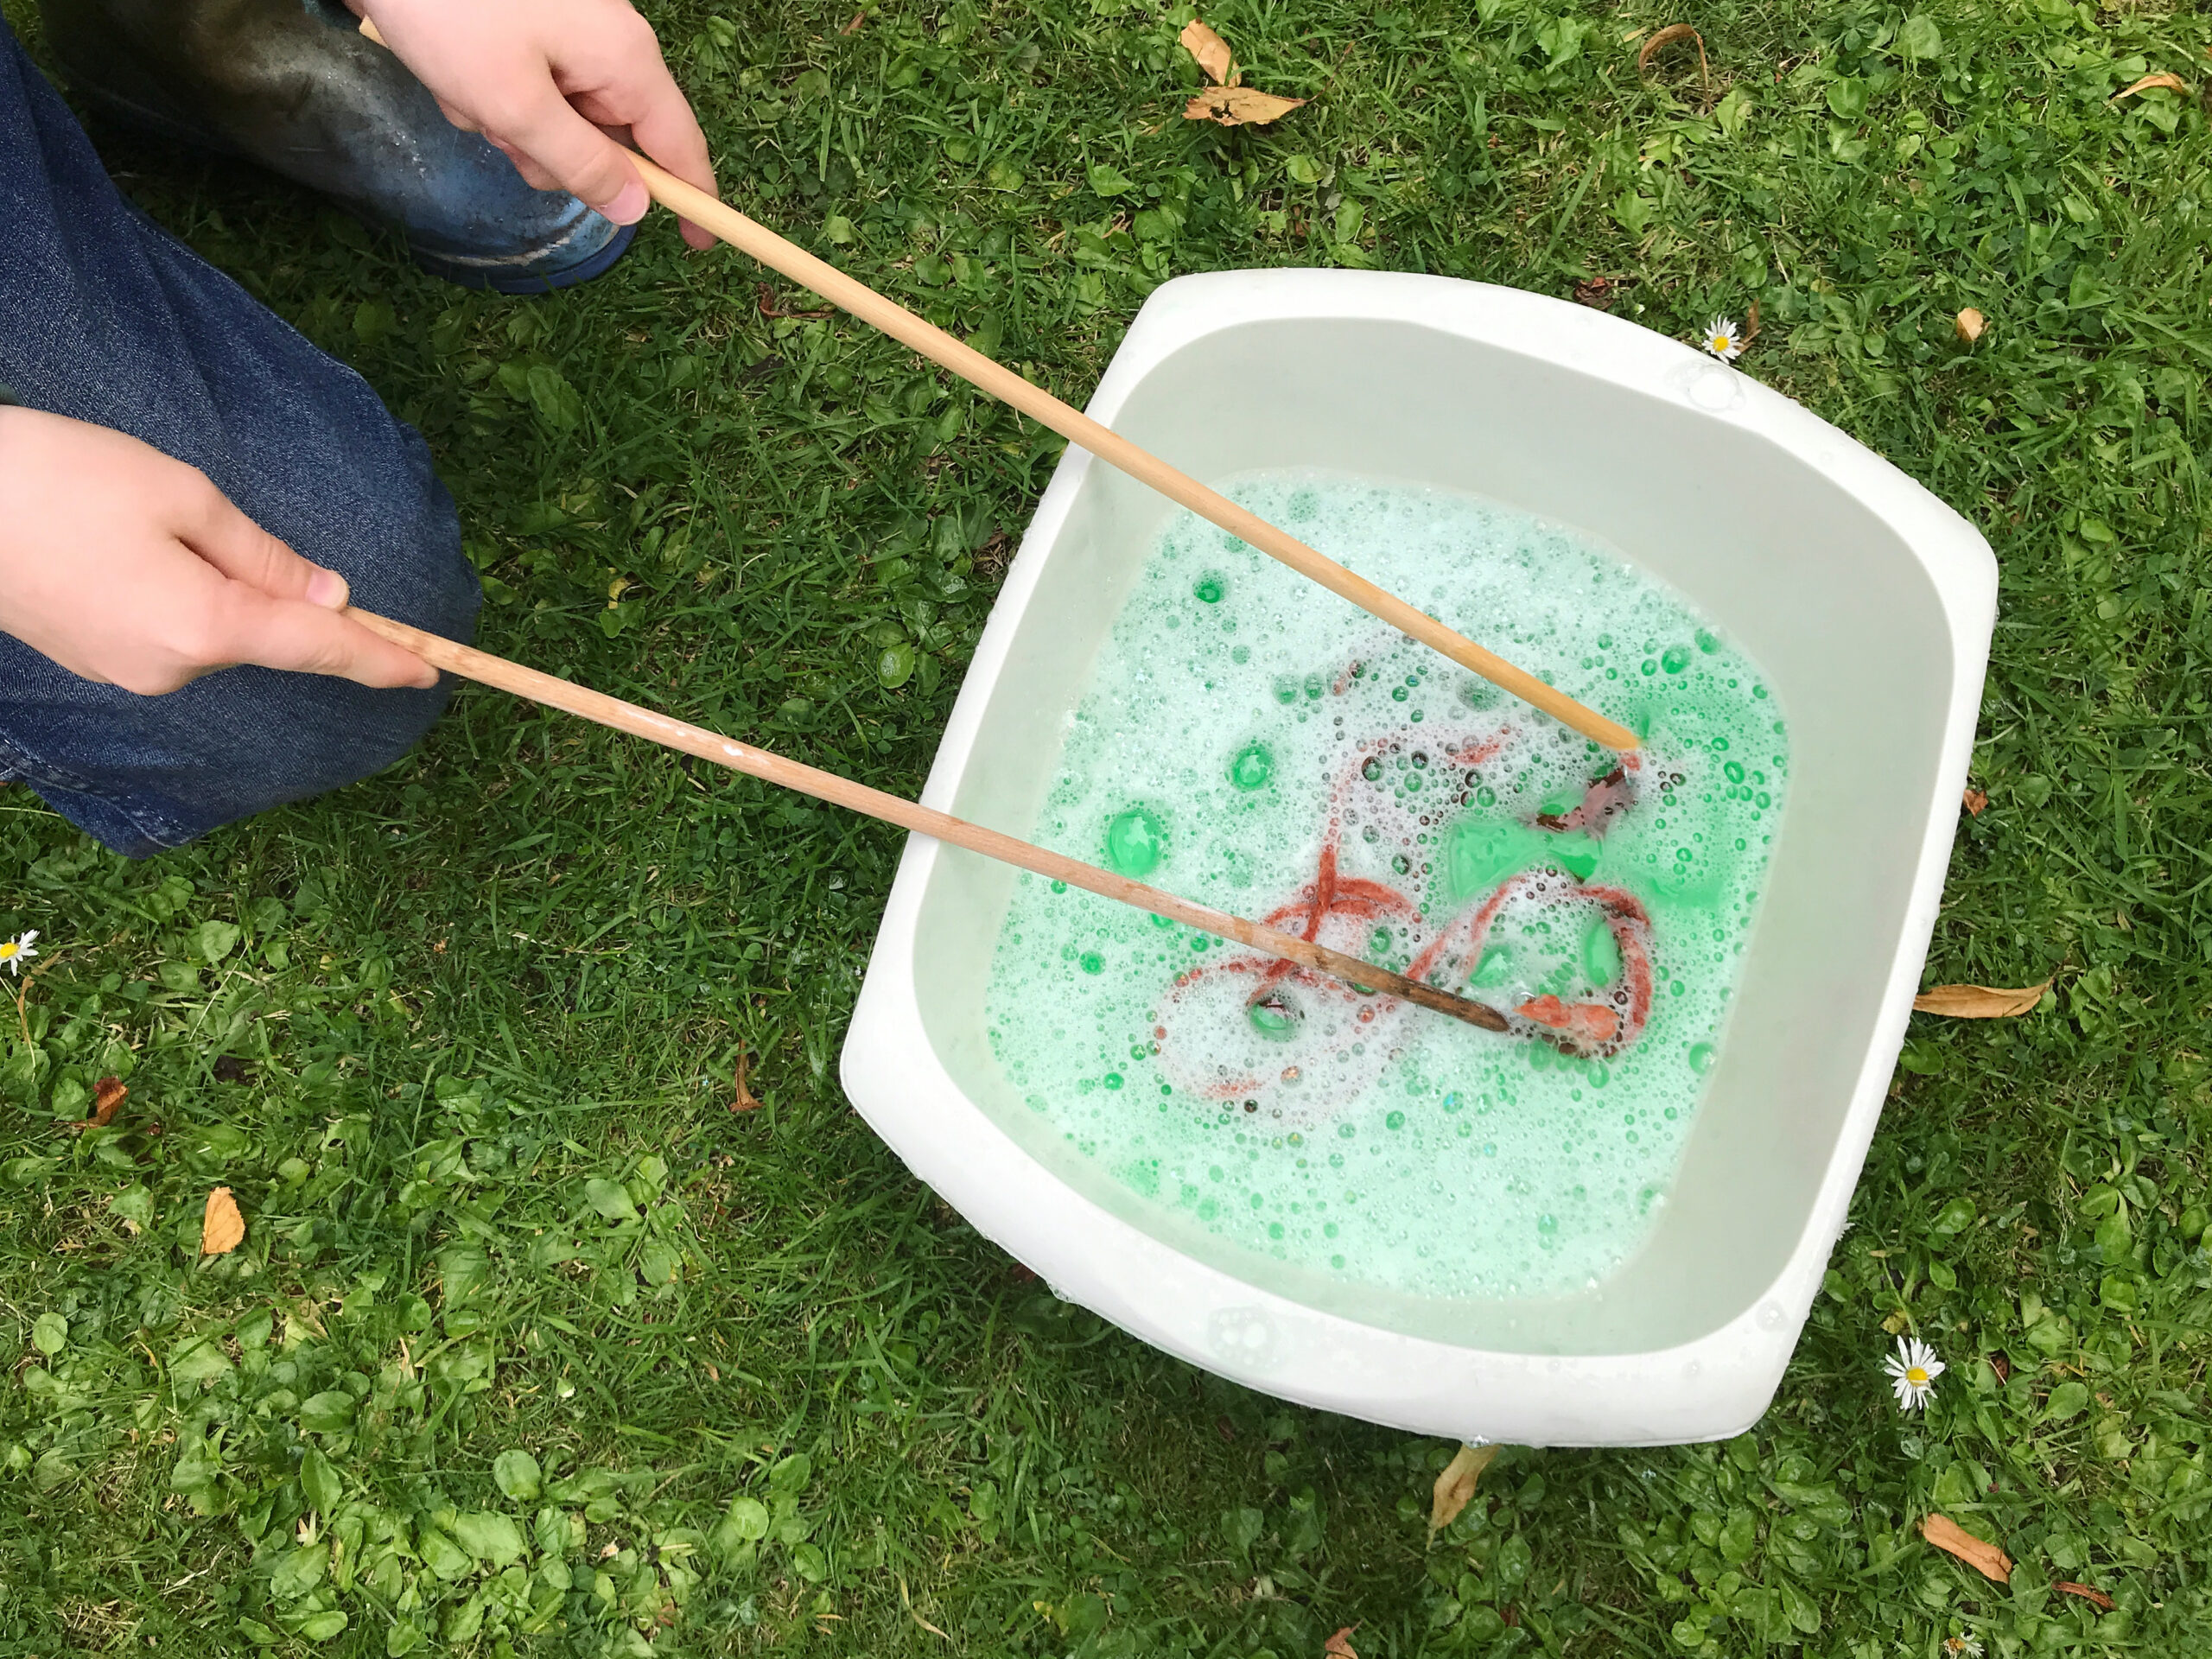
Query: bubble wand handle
689	201
504	676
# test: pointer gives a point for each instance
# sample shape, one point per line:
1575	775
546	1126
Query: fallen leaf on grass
222	1229
1238	106
1952	1539
768	307
1211	52
1599	293
1974	801
745	1101
107	1098
2152	83
2096	1599
1969	324
1457	1484
1978	1001
1665	38
853	28
1340	1645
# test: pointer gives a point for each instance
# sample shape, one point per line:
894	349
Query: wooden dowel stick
689	201
498	672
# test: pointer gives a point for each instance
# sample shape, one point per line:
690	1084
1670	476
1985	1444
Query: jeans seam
162	831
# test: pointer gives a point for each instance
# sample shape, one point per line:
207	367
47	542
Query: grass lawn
535	1346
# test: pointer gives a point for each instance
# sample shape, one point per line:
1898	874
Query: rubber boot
292	85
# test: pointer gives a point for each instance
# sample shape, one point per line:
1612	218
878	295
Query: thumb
588	163
306	637
212	527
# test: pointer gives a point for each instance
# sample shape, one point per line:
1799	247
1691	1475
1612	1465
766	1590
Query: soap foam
1250	742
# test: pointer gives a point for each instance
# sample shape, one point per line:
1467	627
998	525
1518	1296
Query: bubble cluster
1251	743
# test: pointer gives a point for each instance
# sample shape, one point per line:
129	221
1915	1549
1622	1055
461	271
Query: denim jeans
106	318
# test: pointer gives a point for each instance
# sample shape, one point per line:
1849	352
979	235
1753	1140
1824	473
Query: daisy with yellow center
1722	339
1913	1371
17	951
1961	1647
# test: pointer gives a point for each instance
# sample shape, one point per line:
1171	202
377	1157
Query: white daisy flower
1913	1371
1722	339
17	951
1961	1647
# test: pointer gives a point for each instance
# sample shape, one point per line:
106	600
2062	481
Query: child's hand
132	569
540	79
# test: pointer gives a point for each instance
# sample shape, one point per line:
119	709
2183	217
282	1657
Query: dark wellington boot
292	85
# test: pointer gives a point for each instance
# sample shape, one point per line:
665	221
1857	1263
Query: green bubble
1254	765
1113	1079
1273	1016
1136	841
1091	963
1674	659
1701	1057
1481	852
1210	589
1601	953
1577	854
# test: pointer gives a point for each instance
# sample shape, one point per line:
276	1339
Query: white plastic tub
1866	601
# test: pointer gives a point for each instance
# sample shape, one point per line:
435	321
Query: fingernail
630	206
328	588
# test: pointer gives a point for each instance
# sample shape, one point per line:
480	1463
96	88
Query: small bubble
1254	765
1091	963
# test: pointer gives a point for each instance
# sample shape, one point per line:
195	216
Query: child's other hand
547	81
130	569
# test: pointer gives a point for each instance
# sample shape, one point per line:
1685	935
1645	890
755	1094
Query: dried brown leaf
769	309
1212	53
1969	325
222	1229
745	1101
1752	323
2096	1599
1457	1484
107	1099
2152	83
1975	801
1950	1536
1340	1645
1665	38
1978	1001
1239	107
854	27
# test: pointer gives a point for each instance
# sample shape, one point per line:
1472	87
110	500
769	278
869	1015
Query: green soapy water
1250	743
